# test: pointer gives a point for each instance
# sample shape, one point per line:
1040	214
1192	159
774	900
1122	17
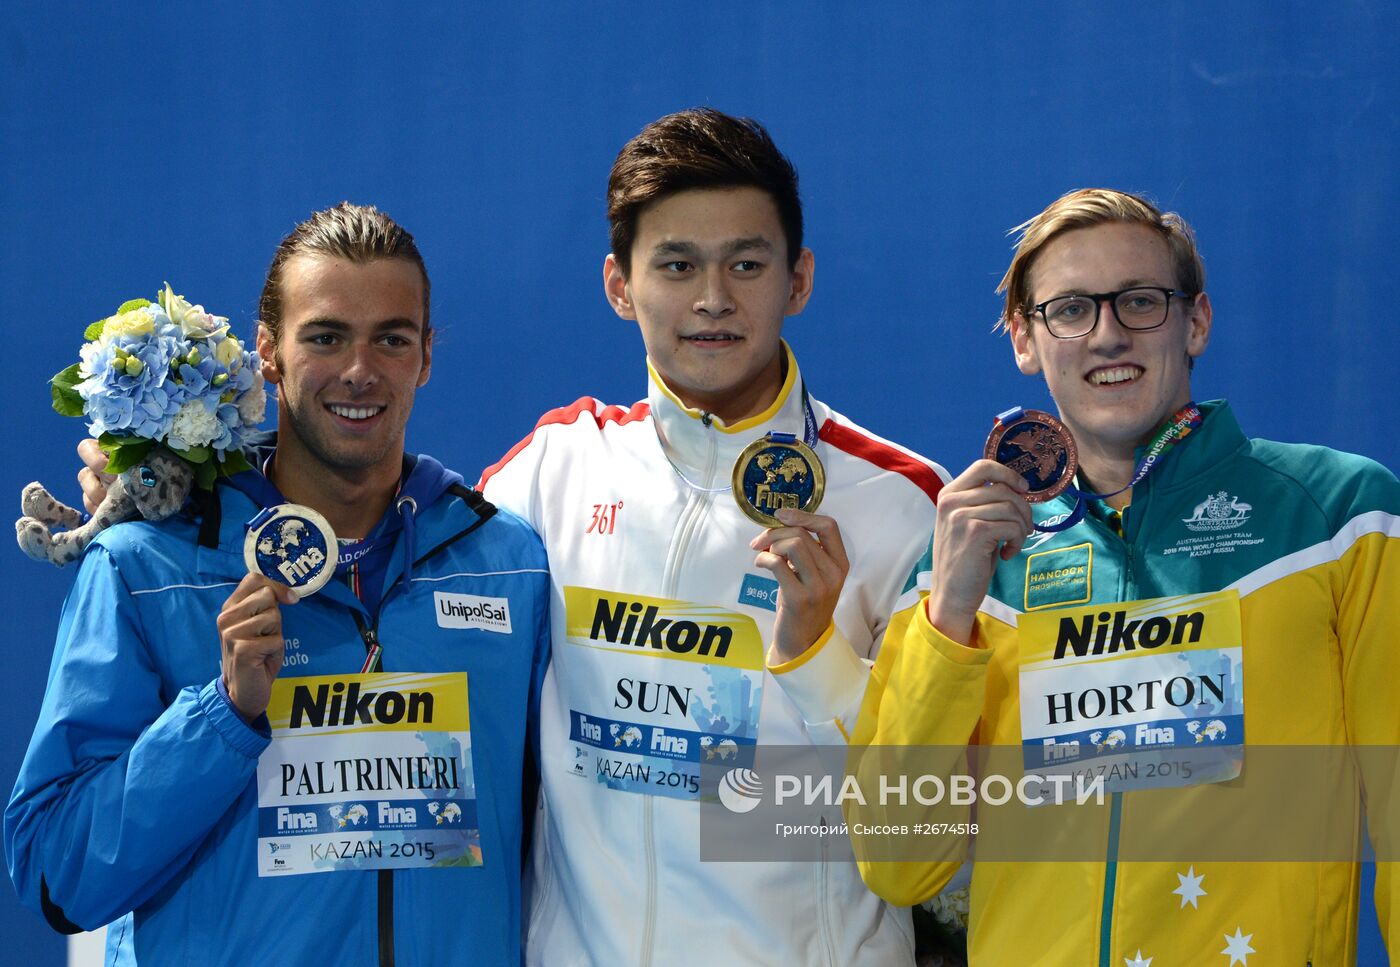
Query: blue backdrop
181	143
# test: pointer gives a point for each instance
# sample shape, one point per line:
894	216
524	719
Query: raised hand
250	635
808	559
983	518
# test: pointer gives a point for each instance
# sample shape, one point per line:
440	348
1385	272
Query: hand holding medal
983	519
1040	448
290	552
778	481
807	558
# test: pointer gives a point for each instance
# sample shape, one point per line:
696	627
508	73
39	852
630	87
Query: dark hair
698	148
357	233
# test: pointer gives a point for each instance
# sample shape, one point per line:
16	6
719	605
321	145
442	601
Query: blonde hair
1082	209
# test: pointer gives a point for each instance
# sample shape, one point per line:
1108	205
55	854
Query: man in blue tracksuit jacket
165	776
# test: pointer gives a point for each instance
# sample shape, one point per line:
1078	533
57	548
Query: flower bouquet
170	395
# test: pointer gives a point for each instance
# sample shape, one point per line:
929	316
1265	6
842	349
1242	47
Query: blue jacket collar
240	497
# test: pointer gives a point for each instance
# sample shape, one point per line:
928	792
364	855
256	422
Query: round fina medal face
292	544
1039	448
770	475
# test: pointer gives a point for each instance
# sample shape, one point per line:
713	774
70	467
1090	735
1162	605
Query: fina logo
741	790
450	813
1215	729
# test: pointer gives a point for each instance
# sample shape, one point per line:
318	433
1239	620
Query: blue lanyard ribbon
809	425
1185	420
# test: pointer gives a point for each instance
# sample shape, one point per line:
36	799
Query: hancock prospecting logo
741	790
1218	512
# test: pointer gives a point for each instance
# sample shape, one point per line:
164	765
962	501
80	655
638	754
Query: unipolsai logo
1218	512
472	611
741	790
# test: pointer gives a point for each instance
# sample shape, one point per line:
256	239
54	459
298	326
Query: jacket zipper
696	505
374	652
1110	881
823	915
1115	815
374	660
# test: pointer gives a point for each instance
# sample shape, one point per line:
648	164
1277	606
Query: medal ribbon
809	437
809	426
1182	423
263	491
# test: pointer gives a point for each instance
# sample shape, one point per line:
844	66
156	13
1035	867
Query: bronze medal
1038	447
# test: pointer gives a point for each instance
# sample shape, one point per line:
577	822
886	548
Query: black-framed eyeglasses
1141	307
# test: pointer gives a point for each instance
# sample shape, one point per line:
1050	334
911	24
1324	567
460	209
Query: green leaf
205	474
68	377
195	455
66	401
234	462
128	455
131	304
94	331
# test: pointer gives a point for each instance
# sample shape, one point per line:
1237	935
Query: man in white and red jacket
683	631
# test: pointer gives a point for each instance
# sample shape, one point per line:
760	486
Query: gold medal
774	472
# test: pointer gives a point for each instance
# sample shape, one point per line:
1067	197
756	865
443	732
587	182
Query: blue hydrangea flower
196	380
127	391
138	379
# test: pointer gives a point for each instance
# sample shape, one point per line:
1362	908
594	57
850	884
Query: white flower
194	426
193	321
137	322
227	352
89	354
951	907
253	403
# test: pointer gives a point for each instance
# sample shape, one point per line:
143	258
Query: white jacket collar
699	442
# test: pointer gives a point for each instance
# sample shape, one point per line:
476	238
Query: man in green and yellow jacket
1219	597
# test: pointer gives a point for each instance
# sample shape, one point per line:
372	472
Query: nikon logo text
337	705
630	623
1112	632
472	611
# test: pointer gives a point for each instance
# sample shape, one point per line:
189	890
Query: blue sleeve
543	639
122	779
530	779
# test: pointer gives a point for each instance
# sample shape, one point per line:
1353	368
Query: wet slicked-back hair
356	233
698	148
1082	209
